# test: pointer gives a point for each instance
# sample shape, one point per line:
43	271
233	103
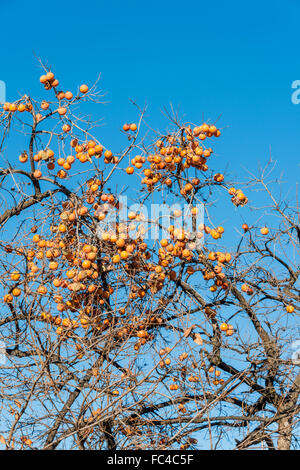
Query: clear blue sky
235	59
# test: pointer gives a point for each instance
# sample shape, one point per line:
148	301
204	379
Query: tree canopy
133	316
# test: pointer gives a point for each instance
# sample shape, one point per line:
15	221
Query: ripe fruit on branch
264	230
223	327
290	308
62	111
45	105
37	174
16	292
84	88
247	289
219	177
23	157
230	330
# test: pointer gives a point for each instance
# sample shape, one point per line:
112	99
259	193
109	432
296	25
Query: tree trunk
284	433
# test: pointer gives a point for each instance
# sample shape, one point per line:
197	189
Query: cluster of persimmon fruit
50	82
21	107
173	153
169	161
166	361
73	266
83	153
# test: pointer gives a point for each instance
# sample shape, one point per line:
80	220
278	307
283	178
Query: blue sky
233	59
228	61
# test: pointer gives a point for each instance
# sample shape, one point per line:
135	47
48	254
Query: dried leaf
2	440
188	331
197	339
210	312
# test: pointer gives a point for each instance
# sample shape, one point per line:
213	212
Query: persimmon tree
119	339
